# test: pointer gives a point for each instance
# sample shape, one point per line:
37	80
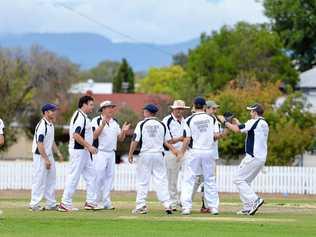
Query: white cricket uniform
256	152
44	180
104	160
80	160
151	135
1	127
200	161
176	129
215	155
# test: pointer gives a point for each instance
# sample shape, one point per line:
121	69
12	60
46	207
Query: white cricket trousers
104	164
151	165
80	164
173	169
43	182
247	171
199	162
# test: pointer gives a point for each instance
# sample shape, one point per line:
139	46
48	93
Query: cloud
160	21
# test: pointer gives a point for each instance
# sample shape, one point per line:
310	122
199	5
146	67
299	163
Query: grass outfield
280	216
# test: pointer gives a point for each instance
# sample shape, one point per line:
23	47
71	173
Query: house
91	86
307	85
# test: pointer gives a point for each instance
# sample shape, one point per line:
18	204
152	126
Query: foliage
124	74
169	80
295	22
232	51
285	123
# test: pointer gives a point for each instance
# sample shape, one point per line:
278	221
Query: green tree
180	59
104	71
169	81
295	22
124	79
232	51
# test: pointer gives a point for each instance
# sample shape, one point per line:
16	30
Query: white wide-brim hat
179	104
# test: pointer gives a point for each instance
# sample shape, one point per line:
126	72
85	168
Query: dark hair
260	111
84	100
199	106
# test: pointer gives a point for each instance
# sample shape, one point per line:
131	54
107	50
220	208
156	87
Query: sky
152	21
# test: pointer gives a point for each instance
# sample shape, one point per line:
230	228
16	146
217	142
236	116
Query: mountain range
87	49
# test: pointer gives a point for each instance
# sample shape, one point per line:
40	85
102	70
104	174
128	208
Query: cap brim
250	108
112	105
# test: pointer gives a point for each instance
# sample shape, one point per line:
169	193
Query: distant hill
88	50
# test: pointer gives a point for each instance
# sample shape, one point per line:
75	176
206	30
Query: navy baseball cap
48	107
199	101
151	108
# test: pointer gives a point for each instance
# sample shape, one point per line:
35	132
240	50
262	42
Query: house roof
135	101
308	79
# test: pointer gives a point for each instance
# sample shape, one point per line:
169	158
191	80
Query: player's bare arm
132	148
43	154
125	128
84	143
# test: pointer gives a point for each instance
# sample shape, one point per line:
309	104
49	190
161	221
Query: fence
17	175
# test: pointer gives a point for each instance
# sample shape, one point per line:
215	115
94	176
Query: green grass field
280	216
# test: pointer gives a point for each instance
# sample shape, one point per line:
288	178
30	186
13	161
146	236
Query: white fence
296	180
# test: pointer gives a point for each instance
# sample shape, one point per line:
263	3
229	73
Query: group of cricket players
179	155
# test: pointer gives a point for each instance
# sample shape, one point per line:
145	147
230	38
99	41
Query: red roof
135	101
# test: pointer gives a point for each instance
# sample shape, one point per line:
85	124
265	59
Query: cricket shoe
186	212
50	208
90	206
63	208
36	208
168	211
205	210
110	207
142	210
214	211
243	212
256	205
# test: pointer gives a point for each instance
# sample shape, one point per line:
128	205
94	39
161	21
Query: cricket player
106	132
44	172
256	147
1	139
211	109
199	134
151	134
1	133
175	123
80	155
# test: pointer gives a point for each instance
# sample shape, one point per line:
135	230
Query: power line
109	28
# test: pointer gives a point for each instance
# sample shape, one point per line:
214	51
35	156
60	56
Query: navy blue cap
199	101
151	108
48	107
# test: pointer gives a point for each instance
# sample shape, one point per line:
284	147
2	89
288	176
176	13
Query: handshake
228	117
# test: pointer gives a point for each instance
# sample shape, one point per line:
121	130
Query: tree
242	49
124	79
295	22
180	59
104	71
285	122
169	81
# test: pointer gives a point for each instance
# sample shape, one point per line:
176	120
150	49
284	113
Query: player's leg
50	194
99	161
210	187
75	169
172	174
160	181
189	176
247	171
38	182
89	175
108	180
143	174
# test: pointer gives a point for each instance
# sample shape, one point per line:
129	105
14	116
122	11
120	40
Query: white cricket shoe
186	212
142	210
258	203
214	211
